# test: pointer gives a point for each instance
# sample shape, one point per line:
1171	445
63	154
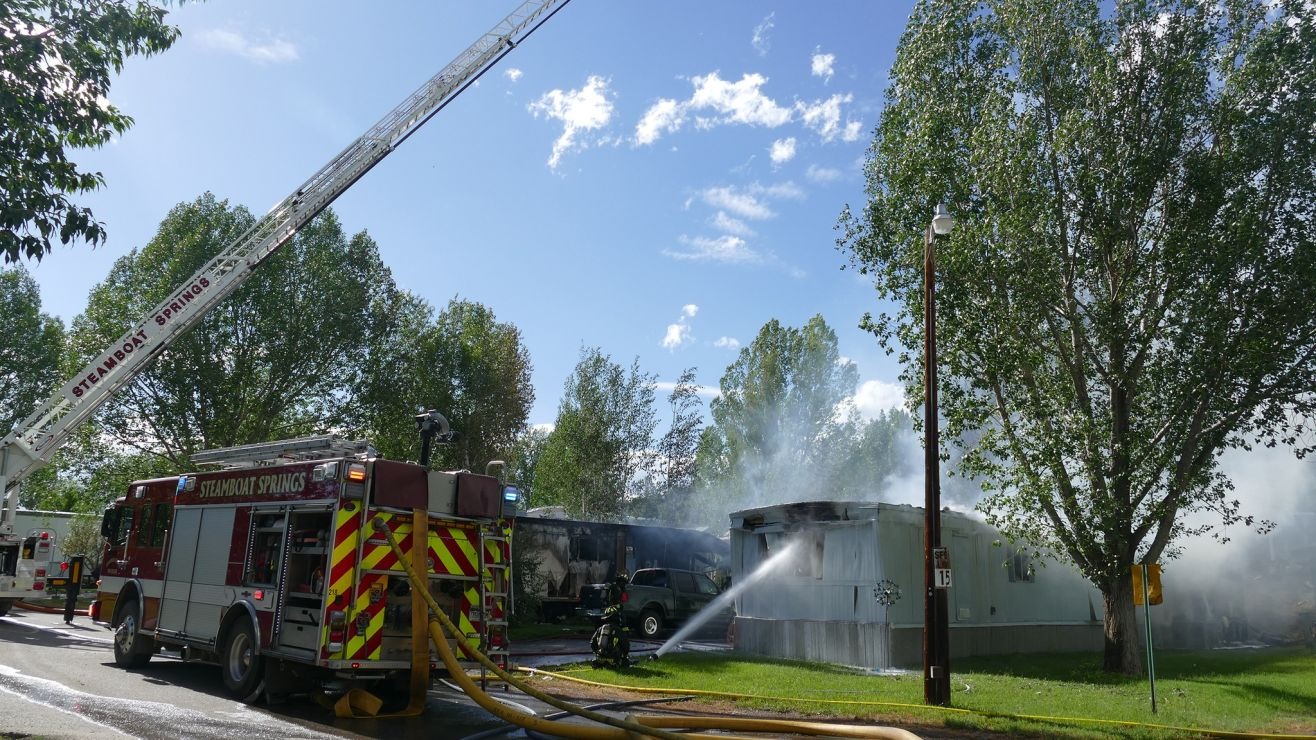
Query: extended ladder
283	451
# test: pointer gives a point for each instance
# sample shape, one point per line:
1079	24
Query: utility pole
936	627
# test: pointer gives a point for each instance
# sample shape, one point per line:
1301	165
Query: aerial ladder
31	444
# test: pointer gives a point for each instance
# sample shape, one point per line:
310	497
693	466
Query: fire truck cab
271	568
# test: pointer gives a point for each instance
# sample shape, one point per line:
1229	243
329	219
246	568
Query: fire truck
269	565
31	444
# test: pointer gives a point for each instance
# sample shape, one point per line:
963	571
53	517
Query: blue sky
656	179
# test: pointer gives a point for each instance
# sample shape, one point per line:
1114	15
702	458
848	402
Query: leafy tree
84	538
30	348
56	57
464	363
879	452
602	440
779	425
523	461
1129	290
669	495
273	360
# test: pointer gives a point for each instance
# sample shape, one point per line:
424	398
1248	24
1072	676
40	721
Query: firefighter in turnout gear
611	643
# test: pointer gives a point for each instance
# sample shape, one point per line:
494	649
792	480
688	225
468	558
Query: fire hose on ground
618	729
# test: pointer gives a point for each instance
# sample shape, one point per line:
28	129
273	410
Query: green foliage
275	359
30	348
84	538
523	461
464	363
528	581
602	440
779	426
56	57
1128	291
670	490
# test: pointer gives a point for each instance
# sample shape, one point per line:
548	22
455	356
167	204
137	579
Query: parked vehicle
572	556
659	598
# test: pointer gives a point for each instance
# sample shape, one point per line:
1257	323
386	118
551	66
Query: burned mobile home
571	554
850	591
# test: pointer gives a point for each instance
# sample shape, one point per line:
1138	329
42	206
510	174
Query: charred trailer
572	556
276	572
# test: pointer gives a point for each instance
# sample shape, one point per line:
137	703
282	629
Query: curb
49	609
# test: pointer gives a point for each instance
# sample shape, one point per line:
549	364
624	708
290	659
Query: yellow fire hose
619	729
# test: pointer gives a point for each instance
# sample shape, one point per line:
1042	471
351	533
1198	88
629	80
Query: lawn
1271	691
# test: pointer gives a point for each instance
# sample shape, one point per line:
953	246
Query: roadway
59	680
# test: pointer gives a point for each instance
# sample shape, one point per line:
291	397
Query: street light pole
936	628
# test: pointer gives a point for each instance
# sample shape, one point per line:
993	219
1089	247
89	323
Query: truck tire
132	649
5	604
651	622
242	665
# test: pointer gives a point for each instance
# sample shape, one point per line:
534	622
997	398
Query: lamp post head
942	221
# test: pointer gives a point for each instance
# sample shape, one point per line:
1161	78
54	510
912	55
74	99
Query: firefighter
610	643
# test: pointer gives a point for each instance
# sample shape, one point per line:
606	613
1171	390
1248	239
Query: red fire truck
270	566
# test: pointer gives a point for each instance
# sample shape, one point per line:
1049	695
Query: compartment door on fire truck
194	590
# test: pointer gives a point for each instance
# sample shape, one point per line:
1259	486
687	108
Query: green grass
1242	691
520	632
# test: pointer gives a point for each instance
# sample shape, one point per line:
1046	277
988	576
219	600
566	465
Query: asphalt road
60	681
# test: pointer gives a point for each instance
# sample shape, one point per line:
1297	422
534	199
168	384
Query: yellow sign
1153	584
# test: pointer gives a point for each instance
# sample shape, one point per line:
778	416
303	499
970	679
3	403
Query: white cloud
824	116
822	174
714	102
737	102
679	334
727	343
782	150
729	225
580	110
513	74
822	64
664	116
727	248
762	38
231	42
875	396
702	390
718	102
745	205
780	190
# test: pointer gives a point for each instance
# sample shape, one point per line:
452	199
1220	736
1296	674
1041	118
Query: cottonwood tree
602	440
273	360
462	362
780	426
56	57
31	345
669	493
1128	292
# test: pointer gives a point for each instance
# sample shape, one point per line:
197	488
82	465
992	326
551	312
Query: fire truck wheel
244	669
132	649
4	606
651	622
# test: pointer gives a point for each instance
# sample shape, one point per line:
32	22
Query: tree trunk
1123	648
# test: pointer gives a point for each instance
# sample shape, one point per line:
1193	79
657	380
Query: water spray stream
720	604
